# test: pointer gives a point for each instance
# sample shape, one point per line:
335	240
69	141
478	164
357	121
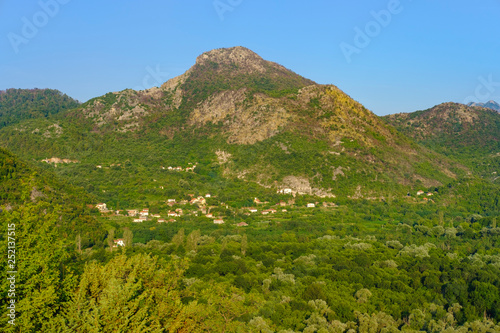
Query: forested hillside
469	134
19	104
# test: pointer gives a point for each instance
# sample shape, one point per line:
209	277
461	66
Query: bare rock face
245	124
174	85
217	107
301	185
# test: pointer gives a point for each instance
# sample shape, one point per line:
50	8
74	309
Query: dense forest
20	104
349	265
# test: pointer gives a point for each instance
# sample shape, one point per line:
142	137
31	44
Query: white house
311	205
118	242
101	207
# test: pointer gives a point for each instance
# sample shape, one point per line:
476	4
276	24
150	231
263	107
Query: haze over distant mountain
242	118
490	105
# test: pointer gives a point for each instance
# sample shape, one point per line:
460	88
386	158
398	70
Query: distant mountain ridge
452	128
19	104
469	134
490	105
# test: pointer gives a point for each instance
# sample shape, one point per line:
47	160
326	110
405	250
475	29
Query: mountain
469	134
452	129
490	105
19	104
241	120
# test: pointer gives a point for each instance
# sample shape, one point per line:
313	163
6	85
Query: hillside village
209	207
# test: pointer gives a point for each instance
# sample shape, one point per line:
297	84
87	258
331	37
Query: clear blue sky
423	53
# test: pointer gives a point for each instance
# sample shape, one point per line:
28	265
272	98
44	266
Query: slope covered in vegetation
19	104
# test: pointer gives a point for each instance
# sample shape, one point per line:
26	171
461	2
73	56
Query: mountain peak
490	105
237	54
237	58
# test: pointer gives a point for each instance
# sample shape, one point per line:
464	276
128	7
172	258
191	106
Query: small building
118	212
118	242
101	206
172	221
242	224
282	203
210	215
252	210
132	212
218	221
171	200
144	213
311	205
420	192
161	220
98	166
172	214
208	195
140	220
156	216
429	194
